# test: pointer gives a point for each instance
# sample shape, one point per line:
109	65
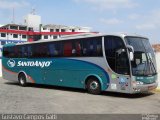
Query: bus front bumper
145	87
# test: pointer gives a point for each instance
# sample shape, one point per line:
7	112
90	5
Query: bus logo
11	63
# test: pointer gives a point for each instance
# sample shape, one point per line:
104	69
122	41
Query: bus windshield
144	63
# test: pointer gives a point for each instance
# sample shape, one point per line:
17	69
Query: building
32	21
52	31
13	32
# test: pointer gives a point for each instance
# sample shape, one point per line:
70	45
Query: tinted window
116	54
89	47
29	50
92	46
8	52
54	49
39	50
72	48
77	48
67	48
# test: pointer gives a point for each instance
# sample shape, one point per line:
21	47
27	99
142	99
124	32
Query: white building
11	35
33	21
62	30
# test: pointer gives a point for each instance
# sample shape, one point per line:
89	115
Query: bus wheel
22	79
93	86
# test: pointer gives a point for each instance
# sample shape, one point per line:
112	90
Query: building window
62	30
73	30
44	28
51	30
30	29
54	37
22	28
3	34
46	37
14	27
57	30
24	36
15	35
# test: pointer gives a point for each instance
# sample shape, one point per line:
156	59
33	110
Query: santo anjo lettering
34	63
42	64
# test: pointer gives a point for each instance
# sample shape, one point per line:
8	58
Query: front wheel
93	86
22	80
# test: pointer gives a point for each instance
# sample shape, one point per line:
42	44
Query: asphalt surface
58	100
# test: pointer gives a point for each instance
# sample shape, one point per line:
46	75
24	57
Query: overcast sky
107	16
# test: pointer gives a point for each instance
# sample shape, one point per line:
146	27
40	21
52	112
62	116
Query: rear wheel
22	80
93	86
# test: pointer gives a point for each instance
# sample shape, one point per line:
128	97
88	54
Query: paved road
50	99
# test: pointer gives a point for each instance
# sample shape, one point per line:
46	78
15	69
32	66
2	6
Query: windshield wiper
150	60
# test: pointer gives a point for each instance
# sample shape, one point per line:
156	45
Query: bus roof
83	35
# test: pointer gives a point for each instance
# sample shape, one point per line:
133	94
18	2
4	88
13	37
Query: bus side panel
72	73
7	72
62	71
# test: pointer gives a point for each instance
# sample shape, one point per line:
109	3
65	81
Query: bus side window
16	52
6	52
55	49
29	50
99	48
42	50
116	54
78	47
92	47
24	51
19	55
11	52
85	47
52	50
68	48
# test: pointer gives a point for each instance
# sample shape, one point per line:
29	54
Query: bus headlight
139	83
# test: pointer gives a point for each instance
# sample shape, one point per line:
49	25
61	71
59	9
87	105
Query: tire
93	86
22	80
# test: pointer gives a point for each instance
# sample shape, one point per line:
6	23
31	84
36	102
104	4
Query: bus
97	62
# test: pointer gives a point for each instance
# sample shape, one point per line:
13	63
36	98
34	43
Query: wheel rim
22	81
94	85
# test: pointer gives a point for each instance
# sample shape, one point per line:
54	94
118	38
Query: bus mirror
131	56
131	52
130	48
